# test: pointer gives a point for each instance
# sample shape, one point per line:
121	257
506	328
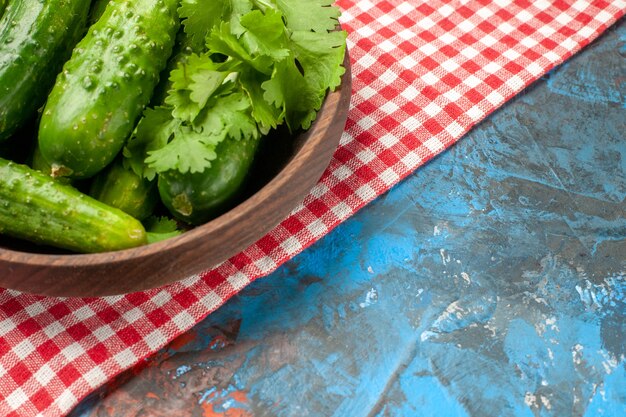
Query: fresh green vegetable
240	68
197	197
35	39
104	87
39	163
120	187
35	207
256	65
161	228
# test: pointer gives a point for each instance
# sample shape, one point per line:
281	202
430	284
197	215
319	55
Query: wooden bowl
303	161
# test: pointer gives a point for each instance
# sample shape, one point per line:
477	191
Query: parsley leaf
188	151
223	41
321	56
183	107
289	90
309	15
204	82
265	34
238	9
160	228
264	113
153	132
193	82
231	114
199	17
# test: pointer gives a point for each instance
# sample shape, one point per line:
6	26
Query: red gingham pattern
424	73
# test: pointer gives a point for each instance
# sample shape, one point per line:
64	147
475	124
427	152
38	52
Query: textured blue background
492	282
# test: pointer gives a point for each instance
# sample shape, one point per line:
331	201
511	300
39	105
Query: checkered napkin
424	72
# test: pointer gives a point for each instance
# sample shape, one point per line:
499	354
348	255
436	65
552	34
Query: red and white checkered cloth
424	73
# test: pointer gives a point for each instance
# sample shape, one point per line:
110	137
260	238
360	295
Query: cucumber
3	5
36	37
106	84
123	188
120	187
198	197
39	163
35	207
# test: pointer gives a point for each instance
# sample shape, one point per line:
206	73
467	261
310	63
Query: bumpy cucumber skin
121	188
198	197
39	209
106	84
36	37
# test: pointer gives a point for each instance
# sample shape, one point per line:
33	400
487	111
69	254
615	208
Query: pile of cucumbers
83	72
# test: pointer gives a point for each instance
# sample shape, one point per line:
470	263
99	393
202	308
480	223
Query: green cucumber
3	5
39	163
120	187
106	84
36	37
198	197
35	207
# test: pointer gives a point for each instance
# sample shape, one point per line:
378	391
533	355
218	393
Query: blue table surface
491	282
